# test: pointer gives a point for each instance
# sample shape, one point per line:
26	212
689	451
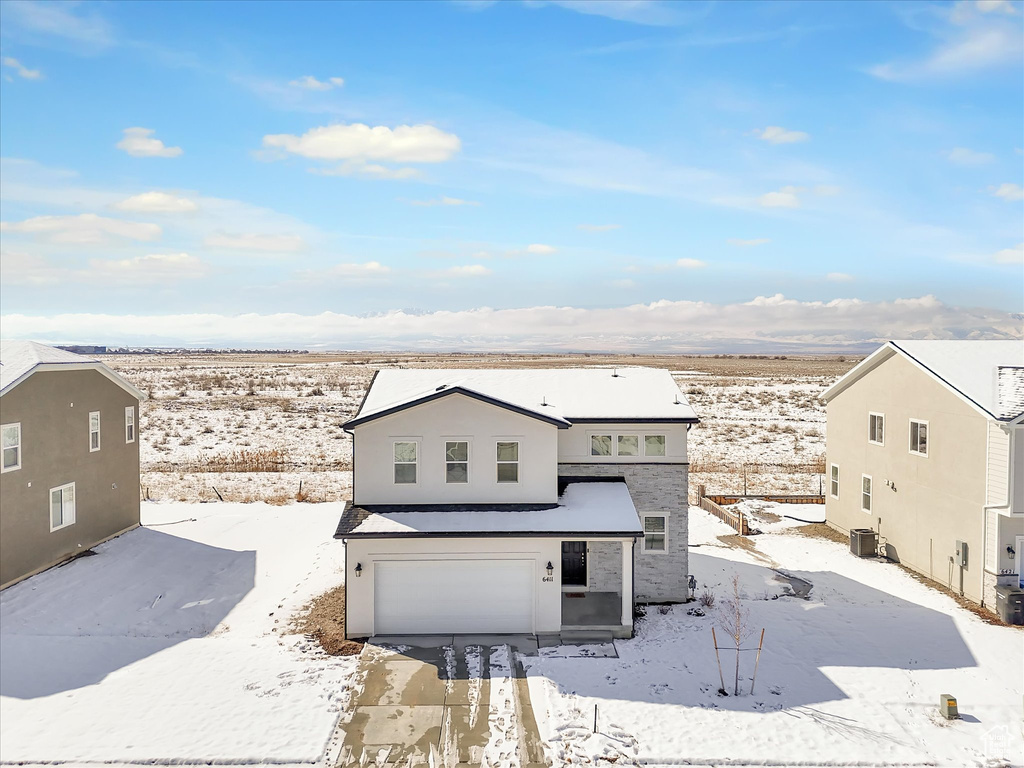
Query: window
600	445
876	428
655	533
918	437
629	445
405	463
94	431
456	461
865	493
508	462
11	436
833	483
62	506
129	424
654	445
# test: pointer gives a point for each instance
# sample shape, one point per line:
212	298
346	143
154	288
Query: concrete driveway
442	701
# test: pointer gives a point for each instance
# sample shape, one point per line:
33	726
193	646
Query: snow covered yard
170	644
850	676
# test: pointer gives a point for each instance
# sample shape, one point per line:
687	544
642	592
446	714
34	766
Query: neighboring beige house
70	471
926	447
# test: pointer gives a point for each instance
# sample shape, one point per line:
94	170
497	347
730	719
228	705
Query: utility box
961	554
863	542
1010	604
947	707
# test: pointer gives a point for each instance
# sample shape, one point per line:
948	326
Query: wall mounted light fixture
551	568
359	570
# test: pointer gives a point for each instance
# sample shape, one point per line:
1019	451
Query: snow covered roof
970	368
558	395
591	508
19	359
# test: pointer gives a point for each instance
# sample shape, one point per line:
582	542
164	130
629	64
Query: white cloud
256	242
370	170
443	201
21	69
763	324
153	268
775	134
647	12
827	190
691	263
366	269
748	243
539	249
968	157
157	202
468	270
1011	192
310	83
84	229
1013	255
598	227
996	6
356	141
139	142
838	277
60	20
783	198
624	283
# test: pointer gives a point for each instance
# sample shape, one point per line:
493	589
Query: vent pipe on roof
615	373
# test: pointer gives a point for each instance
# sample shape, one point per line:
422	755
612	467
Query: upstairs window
11	437
918	437
62	506
833	486
129	424
508	462
865	493
654	445
629	445
600	445
94	431
876	428
456	461
655	533
405	463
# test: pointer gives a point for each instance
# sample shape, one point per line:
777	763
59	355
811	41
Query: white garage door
453	596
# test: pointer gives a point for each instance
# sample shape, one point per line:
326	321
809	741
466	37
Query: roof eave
487	534
91	365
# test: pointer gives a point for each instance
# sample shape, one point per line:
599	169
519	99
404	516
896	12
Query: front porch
597	587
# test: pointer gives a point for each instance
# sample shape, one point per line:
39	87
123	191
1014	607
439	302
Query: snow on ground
851	675
170	644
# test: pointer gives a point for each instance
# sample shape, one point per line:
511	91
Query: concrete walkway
442	701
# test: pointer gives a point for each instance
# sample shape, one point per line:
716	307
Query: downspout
1008	430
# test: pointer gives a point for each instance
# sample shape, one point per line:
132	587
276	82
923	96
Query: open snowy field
171	643
850	676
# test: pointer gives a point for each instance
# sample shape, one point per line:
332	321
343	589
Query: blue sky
515	174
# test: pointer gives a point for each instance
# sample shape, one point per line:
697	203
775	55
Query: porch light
551	568
1010	551
359	570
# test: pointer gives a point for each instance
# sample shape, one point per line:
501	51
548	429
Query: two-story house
515	501
925	446
70	472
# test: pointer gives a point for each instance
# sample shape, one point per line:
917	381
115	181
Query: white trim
97	432
871	415
871	494
17	445
395	463
664	534
835	480
49	506
93	366
910	437
469	453
129	411
498	463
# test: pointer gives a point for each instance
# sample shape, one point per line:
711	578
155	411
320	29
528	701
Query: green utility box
947	707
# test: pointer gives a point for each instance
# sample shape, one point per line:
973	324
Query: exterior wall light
551	569
1011	552
359	570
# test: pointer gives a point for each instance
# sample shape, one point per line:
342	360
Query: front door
574	563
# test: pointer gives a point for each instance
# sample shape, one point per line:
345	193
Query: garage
453	596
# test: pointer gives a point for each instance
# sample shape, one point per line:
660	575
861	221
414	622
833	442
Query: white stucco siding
574	443
459	418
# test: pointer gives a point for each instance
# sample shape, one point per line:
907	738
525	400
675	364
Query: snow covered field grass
171	643
850	676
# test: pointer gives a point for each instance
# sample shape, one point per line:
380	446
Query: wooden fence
731	498
732	517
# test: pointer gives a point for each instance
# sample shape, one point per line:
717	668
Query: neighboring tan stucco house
515	501
926	447
70	469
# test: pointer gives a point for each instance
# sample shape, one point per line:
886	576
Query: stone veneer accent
657	577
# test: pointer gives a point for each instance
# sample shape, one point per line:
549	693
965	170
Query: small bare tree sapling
734	621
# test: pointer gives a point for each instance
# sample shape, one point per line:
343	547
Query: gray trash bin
1010	604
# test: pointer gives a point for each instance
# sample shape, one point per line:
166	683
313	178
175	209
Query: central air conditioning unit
863	542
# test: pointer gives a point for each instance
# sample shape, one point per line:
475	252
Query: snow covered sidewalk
850	676
169	644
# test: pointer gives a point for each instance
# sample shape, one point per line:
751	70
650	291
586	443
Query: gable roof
20	359
970	368
560	396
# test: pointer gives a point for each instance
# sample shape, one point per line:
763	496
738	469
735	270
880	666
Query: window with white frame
655	533
918	437
865	493
628	445
600	445
94	431
833	482
62	506
456	461
405	462
508	461
129	424
10	434
654	445
876	428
